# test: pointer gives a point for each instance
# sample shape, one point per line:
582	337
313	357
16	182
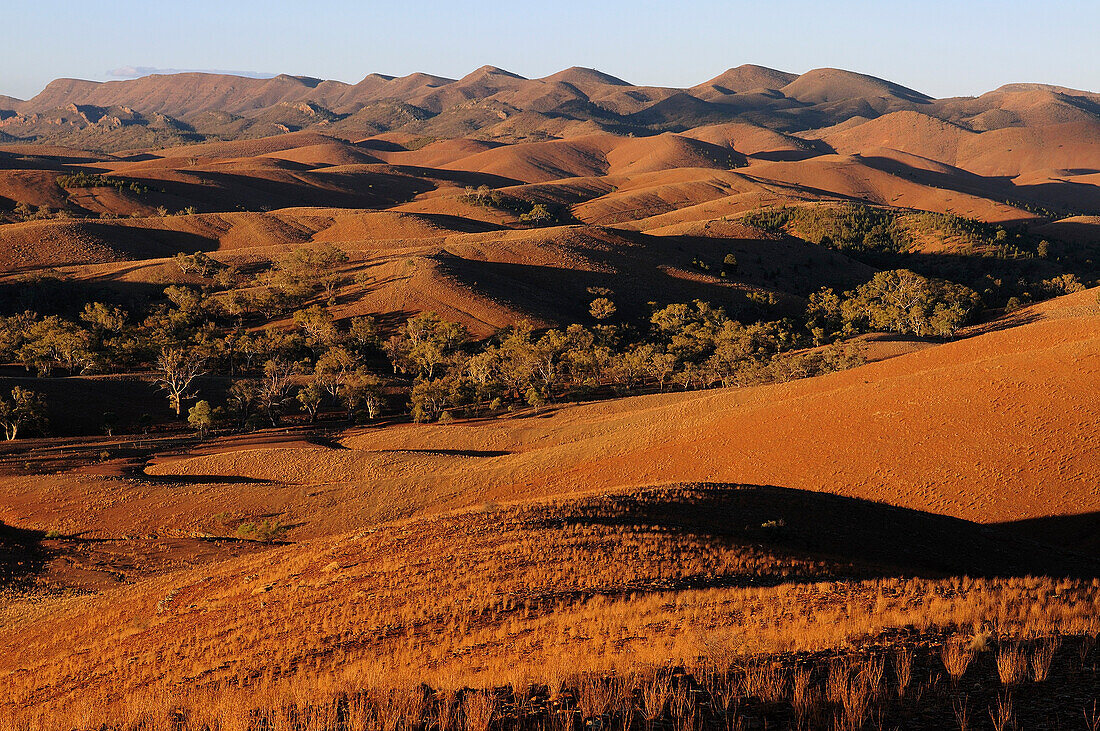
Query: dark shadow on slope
1078	533
452	452
458	223
471	178
228	191
21	556
1004	322
46	159
851	538
201	479
52	295
785	155
560	294
89	564
1066	196
380	145
640	268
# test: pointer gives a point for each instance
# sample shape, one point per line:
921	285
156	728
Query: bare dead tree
177	368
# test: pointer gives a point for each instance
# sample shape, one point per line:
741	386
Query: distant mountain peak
748	77
488	70
583	75
832	85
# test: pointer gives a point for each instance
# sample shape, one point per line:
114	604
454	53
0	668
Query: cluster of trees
1007	268
688	346
25	409
861	228
26	212
729	265
83	179
433	367
286	286
430	365
537	214
276	371
23	211
898	301
1036	291
848	228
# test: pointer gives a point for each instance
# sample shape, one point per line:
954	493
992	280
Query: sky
963	47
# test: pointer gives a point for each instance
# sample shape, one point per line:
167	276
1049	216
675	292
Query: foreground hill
854	432
857	434
588	560
533	593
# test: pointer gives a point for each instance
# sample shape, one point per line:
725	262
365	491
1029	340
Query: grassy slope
631	574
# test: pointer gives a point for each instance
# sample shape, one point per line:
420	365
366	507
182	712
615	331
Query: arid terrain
423	404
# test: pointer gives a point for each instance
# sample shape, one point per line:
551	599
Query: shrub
201	417
773	220
956	658
538	215
905	302
25	409
601	308
1041	658
856	227
266	531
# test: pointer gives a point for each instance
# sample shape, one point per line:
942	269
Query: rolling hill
699	424
669	507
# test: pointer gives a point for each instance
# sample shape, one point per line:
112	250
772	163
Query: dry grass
1041	657
1012	665
854	698
1002	714
765	681
656	693
903	669
801	694
961	708
478	710
956	658
596	697
852	687
1092	717
480	599
855	701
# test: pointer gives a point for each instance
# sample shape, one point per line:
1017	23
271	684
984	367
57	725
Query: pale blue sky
938	47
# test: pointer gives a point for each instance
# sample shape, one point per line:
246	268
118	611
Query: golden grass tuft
956	656
1012	664
478	710
1041	657
1002	713
903	669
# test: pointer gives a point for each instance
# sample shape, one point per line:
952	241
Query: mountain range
492	103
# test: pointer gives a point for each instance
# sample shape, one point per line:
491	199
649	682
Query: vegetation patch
95	180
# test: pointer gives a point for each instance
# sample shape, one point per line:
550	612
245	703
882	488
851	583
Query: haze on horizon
940	48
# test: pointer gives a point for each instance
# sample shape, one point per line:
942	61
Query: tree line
431	368
1008	267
